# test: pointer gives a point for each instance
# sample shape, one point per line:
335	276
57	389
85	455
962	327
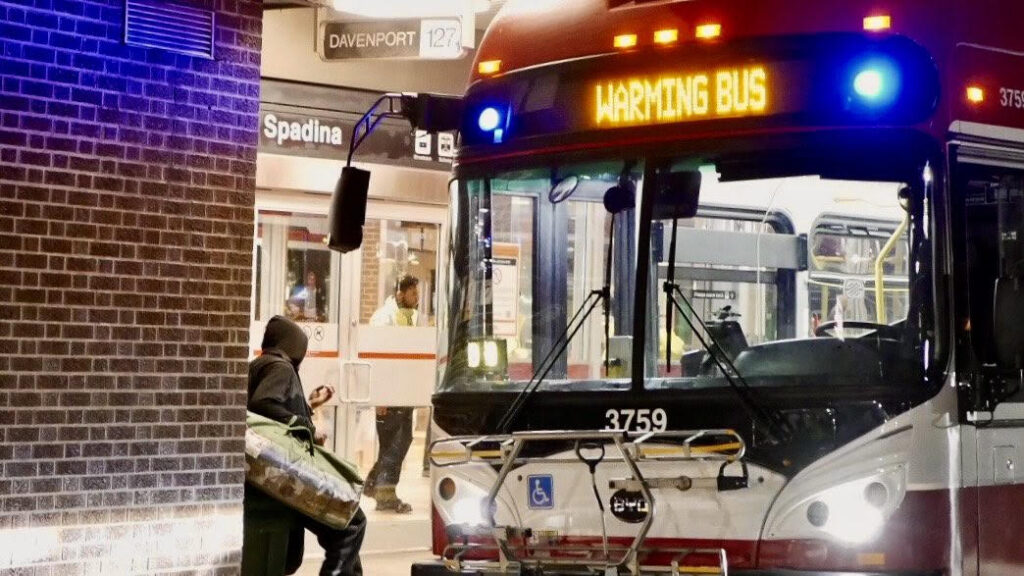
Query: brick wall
369	300
126	197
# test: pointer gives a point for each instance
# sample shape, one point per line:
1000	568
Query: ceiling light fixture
410	8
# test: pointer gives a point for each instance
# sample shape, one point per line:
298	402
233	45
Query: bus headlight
853	512
845	518
468	511
473	354
488	356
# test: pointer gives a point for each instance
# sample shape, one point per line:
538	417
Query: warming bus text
725	93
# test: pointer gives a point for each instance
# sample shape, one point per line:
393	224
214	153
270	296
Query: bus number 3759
636	420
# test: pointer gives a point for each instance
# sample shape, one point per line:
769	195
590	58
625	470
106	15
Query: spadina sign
438	39
285	132
293	131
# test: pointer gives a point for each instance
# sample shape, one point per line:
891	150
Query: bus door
737	267
988	204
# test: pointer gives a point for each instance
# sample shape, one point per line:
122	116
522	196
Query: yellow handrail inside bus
880	314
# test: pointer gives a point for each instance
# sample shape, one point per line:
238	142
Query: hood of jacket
286	337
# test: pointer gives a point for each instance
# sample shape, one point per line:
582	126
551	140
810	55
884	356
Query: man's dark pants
341	547
394	432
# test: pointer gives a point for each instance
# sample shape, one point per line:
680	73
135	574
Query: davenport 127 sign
437	39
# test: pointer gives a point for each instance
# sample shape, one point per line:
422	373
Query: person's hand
382	410
320	438
320	396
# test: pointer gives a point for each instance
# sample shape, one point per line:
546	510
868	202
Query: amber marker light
877	23
709	31
975	94
625	41
489	67
667	36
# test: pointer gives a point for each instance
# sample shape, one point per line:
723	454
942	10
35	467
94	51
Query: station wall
127	178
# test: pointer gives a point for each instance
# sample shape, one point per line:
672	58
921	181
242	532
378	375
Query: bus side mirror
678	195
1007	326
430	112
348	210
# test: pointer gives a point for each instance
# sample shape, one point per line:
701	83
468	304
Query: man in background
394	423
308	301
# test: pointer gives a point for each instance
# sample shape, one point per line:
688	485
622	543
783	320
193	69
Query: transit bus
734	288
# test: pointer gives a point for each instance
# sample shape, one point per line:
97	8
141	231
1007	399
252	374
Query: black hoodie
275	390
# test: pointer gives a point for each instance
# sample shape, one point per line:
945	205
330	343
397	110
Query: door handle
348	381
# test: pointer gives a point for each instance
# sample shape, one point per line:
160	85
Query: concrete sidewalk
377	564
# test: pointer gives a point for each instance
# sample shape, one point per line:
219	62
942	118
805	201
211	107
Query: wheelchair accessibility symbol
540	491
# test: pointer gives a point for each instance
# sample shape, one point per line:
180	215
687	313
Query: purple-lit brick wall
127	179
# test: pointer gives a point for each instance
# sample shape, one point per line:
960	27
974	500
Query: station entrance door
371	320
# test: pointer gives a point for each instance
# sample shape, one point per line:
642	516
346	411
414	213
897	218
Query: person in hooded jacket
275	392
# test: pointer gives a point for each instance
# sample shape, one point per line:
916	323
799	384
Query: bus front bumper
438	569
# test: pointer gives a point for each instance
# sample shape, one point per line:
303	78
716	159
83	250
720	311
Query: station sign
292	131
426	39
284	130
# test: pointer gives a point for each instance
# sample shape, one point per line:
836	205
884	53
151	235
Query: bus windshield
790	281
529	253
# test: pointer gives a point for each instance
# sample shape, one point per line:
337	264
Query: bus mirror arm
348	203
430	112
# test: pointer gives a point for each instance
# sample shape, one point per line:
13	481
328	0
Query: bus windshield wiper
777	427
617	200
561	344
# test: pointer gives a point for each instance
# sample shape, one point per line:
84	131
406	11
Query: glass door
371	317
296	276
392	338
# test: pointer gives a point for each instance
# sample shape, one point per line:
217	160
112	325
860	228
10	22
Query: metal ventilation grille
173	26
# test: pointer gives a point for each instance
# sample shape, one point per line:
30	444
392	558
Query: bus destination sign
732	92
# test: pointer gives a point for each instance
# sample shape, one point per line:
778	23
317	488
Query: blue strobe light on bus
489	119
876	83
869	83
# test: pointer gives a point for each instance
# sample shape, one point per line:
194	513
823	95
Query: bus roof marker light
666	36
623	41
709	31
878	23
975	94
489	67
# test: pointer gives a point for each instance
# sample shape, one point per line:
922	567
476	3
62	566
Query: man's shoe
370	485
388	501
396	505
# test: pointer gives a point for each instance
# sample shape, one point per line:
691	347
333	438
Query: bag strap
302	432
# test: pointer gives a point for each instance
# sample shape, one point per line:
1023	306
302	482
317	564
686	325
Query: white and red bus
734	288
